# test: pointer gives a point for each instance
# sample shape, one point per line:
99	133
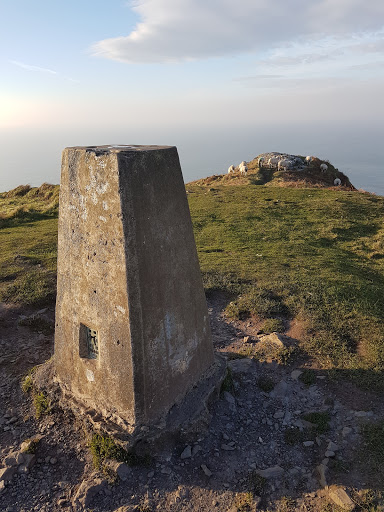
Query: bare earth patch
258	452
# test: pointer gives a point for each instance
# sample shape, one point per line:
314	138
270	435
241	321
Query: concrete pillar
132	330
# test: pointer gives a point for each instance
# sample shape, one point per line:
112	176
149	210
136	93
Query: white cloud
180	30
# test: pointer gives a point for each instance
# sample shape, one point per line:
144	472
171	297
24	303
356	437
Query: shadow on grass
23	217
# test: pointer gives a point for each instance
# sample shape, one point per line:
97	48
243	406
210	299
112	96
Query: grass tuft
272	325
373	446
319	419
244	502
256	483
227	384
104	447
266	384
293	436
261	303
308	377
41	404
27	384
32	445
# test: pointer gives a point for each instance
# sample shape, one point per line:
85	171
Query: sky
221	80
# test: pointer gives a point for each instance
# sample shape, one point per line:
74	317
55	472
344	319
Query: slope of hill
292	254
314	255
306	262
28	241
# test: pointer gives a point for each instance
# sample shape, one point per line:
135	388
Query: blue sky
205	76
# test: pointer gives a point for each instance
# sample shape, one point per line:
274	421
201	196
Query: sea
356	149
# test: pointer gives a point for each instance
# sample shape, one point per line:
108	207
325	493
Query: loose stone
187	452
271	472
341	498
227	447
206	471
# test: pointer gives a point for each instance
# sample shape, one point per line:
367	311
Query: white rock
308	443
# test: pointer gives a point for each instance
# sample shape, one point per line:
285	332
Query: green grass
32	445
319	419
227	384
373	447
256	483
313	255
104	447
272	325
27	384
41	404
293	436
308	377
28	241
266	384
244	502
316	255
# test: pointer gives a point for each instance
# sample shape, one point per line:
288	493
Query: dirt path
258	452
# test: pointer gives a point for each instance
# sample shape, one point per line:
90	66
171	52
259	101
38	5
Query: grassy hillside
28	241
315	256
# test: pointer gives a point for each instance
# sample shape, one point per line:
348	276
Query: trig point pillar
132	329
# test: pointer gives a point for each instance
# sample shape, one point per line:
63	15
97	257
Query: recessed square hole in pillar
88	342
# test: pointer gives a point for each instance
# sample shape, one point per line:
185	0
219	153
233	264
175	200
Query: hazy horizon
34	158
303	77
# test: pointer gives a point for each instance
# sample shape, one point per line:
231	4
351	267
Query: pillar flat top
118	148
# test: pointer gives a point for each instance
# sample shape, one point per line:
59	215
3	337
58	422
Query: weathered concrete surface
128	269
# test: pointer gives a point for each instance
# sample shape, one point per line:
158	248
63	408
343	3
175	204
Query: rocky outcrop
285	169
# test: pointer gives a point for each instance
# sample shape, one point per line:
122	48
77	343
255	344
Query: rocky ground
280	437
